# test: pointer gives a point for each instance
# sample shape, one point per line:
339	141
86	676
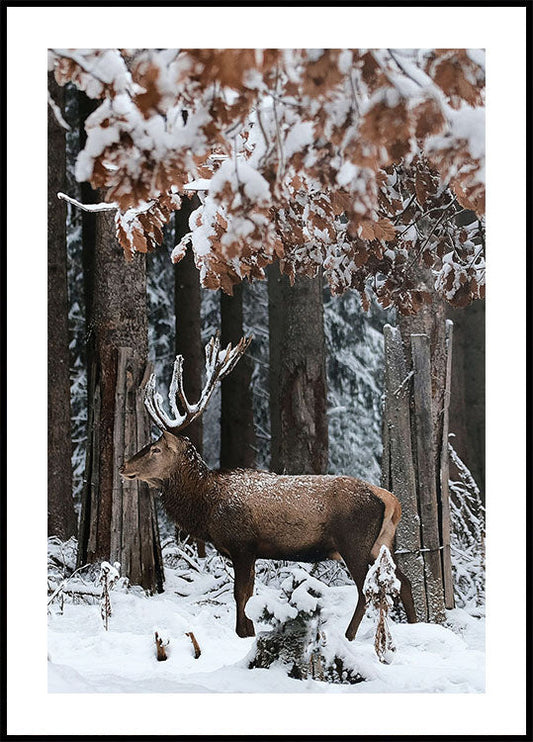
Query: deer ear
171	440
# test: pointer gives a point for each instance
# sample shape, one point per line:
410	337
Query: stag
248	514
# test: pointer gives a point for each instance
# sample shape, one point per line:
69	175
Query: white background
30	31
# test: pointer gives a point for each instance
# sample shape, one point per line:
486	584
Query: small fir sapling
299	640
296	628
109	574
380	588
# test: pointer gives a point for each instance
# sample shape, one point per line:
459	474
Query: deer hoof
246	630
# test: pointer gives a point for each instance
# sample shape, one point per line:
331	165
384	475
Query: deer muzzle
125	474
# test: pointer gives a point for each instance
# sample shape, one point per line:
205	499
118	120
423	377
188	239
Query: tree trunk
86	106
467	403
118	519
426	339
430	320
188	338
61	514
446	524
237	435
298	390
187	303
398	466
426	471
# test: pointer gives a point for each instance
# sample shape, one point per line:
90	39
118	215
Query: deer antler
218	364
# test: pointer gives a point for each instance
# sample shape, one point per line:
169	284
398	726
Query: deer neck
187	495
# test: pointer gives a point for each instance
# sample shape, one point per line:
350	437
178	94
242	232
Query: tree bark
118	519
427	341
430	320
446	524
61	514
86	106
188	338
467	403
237	434
398	466
298	390
187	304
426	471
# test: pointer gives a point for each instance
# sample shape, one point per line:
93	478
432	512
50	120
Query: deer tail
391	518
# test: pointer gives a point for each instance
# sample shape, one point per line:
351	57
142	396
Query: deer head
155	462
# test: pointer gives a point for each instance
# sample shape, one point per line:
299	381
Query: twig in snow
188	559
218	591
197	651
108	576
62	585
160	645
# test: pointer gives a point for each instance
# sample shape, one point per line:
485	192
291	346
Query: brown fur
249	514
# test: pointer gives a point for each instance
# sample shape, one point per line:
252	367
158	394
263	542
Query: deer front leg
243	565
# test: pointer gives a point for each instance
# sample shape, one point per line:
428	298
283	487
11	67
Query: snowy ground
85	658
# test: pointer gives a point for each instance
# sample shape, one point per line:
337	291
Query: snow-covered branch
88	207
319	158
57	113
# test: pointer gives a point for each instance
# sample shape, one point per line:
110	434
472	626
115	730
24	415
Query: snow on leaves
98	72
141	229
458	75
359	162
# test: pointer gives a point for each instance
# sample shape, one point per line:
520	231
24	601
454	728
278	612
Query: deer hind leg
406	595
358	570
243	588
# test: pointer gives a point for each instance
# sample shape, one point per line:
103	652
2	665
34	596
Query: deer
249	514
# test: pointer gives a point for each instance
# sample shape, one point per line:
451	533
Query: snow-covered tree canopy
358	161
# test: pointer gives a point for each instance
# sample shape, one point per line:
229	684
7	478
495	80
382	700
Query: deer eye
155	450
